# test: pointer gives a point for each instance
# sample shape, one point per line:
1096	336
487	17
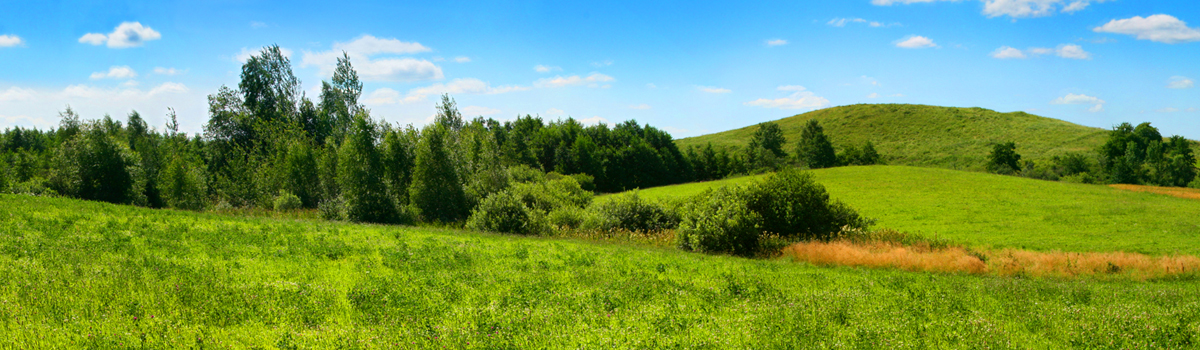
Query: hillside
1003	211
79	274
931	136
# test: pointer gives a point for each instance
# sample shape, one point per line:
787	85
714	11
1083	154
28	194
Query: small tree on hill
1004	159
770	137
814	149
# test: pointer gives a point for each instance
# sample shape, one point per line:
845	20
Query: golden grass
1006	262
1181	192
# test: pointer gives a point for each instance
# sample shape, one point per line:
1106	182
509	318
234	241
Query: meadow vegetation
83	274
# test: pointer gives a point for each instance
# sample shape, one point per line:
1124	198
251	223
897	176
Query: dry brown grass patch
1006	262
1181	192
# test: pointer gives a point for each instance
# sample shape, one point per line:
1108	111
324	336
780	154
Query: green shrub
504	212
287	201
631	212
182	184
718	221
1081	178
333	208
586	182
793	205
523	173
568	217
550	195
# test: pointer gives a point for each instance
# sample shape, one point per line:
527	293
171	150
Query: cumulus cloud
915	42
842	22
713	90
594	120
115	72
10	40
167	71
479	111
126	35
545	69
776	42
462	59
1005	53
362	51
555	112
873	95
800	98
905	2
592	80
641	106
16	94
1168	110
1159	28
384	96
1072	51
1013	8
1081	99
1180	83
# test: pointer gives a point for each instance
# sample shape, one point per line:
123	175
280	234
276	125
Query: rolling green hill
981	209
78	274
931	136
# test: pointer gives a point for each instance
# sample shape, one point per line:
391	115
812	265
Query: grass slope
1003	211
77	274
919	135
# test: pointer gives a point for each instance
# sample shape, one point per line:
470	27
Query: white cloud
130	83
462	59
126	35
1081	99
1160	28
479	111
1005	52
842	22
915	42
115	72
257	24
641	106
167	71
361	51
1180	83
16	94
1073	51
594	120
555	112
168	88
714	90
1193	109
592	80
801	98
776	42
10	40
873	95
384	96
244	56
545	69
604	63
1168	110
1013	8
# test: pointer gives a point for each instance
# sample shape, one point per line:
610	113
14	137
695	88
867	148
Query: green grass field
919	135
980	209
76	274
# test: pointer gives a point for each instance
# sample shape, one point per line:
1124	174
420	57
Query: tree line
1132	155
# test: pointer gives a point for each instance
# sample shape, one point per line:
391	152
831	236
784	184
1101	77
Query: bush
182	185
525	174
631	212
550	195
1004	159
719	221
287	201
333	208
568	217
504	212
792	205
586	182
1081	178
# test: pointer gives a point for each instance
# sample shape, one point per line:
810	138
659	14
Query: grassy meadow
919	135
78	274
989	210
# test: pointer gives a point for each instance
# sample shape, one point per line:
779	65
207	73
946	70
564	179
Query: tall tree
360	174
1004	159
339	98
770	137
437	191
269	89
814	149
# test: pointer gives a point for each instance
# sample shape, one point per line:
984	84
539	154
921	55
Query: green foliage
1004	159
269	89
867	155
549	195
793	205
769	137
398	162
632	213
1136	155
585	181
436	191
95	165
182	184
286	201
360	175
718	221
506	213
814	149
296	172
568	217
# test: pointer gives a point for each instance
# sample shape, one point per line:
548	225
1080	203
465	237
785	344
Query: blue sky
690	68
